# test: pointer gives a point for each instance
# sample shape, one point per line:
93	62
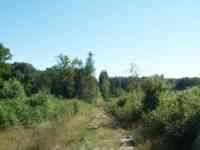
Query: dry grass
46	136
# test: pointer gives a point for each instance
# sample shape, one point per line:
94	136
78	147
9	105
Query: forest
159	113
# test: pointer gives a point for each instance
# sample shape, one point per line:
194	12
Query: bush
7	115
177	115
13	112
45	107
38	108
38	99
152	86
12	89
129	107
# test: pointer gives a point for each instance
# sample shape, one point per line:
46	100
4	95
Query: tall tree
27	75
89	67
63	62
104	84
5	55
118	86
66	77
88	83
77	63
133	79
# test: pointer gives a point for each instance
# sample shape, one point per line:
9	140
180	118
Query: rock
128	141
104	117
98	116
93	127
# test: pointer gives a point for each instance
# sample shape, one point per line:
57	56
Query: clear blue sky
160	36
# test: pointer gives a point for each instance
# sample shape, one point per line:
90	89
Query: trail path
107	133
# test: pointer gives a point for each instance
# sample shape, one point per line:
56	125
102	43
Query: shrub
45	107
38	99
12	89
152	86
129	107
13	112
7	115
38	108
177	115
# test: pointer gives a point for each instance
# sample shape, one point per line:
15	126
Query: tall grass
54	134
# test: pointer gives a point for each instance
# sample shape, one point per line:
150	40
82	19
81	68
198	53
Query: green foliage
38	99
75	107
133	83
66	76
7	115
63	62
4	54
69	79
1	83
177	116
59	79
27	75
12	89
89	67
185	83
38	108
104	85
119	85
129	107
152	86
5	71
13	112
88	90
196	143
88	83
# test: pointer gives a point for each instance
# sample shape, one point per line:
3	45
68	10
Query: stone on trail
129	141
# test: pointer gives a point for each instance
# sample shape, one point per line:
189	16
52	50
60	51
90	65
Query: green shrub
38	99
129	107
13	112
177	115
7	115
152	86
45	107
12	89
56	108
37	108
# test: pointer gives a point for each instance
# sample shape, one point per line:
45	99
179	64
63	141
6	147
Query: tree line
169	108
71	78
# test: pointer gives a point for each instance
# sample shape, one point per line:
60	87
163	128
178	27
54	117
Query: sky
160	36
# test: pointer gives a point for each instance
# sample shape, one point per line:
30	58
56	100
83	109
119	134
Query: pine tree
104	84
88	83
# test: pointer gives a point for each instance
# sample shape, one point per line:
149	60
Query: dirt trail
103	123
